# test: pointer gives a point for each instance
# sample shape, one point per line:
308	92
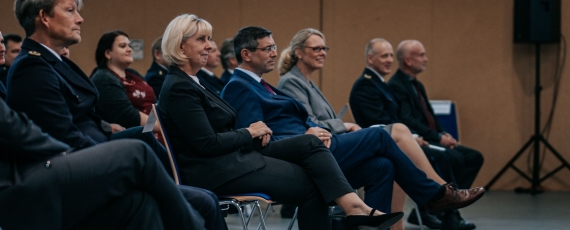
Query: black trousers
299	171
465	163
92	185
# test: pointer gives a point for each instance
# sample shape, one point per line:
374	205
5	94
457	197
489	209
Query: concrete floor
503	210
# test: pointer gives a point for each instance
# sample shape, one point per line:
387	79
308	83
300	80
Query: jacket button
47	164
63	153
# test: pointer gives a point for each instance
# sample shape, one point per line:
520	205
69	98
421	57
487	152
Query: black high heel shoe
381	222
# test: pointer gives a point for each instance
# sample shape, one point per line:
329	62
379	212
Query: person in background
158	69
206	74
13	45
229	61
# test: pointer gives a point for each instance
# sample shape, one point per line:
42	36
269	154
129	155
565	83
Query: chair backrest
446	113
171	156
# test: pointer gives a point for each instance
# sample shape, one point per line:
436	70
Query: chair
237	200
446	113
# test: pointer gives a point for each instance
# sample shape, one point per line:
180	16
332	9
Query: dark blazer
155	77
284	115
3	75
200	126
56	95
212	82
226	76
372	102
411	111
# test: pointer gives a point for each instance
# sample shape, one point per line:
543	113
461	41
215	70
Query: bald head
411	56
379	56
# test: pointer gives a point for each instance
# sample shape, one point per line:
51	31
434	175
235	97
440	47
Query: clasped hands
322	134
448	141
261	131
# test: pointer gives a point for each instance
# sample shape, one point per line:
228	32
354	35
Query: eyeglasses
318	49
265	49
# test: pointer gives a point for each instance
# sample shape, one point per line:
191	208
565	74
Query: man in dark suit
158	69
368	158
57	95
229	61
417	113
206	75
116	185
373	102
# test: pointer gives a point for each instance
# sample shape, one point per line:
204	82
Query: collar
50	50
210	73
231	71
377	74
251	74
161	66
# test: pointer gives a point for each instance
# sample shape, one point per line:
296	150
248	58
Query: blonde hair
178	31
286	62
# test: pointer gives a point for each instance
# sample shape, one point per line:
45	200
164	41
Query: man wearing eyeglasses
206	74
368	158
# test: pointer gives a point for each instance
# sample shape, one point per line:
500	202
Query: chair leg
293	219
418	215
265	214
241	214
251	213
261	216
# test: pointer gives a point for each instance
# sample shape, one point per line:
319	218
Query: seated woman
214	156
124	97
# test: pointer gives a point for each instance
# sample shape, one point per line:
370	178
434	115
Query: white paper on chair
149	122
441	107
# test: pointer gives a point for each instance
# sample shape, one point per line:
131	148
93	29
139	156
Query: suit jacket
212	82
284	115
24	149
226	76
56	95
372	102
411	111
320	111
3	75
155	77
200	126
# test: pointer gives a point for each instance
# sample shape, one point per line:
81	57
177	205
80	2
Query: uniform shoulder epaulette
35	53
367	76
160	72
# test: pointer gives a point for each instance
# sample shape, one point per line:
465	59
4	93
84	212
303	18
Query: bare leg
353	205
398	200
404	139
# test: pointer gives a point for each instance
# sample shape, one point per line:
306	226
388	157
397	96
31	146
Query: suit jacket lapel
297	73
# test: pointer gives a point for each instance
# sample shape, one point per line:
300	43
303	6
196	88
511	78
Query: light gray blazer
320	111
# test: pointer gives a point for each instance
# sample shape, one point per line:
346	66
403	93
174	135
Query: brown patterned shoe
455	198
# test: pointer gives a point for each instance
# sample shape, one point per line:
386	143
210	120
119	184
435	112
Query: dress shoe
455	198
451	220
380	222
427	219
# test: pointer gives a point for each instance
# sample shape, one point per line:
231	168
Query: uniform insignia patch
367	76
35	53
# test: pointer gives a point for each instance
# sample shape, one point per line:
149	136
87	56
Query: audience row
234	134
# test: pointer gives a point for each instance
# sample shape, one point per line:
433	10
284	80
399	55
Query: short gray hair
404	49
27	11
178	31
370	46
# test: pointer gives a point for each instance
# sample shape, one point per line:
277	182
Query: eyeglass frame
318	49
267	49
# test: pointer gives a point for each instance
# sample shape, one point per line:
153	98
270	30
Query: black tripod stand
535	139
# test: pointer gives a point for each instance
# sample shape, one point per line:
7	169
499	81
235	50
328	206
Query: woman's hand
322	134
258	130
351	127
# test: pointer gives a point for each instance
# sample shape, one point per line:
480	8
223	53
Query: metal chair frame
236	200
